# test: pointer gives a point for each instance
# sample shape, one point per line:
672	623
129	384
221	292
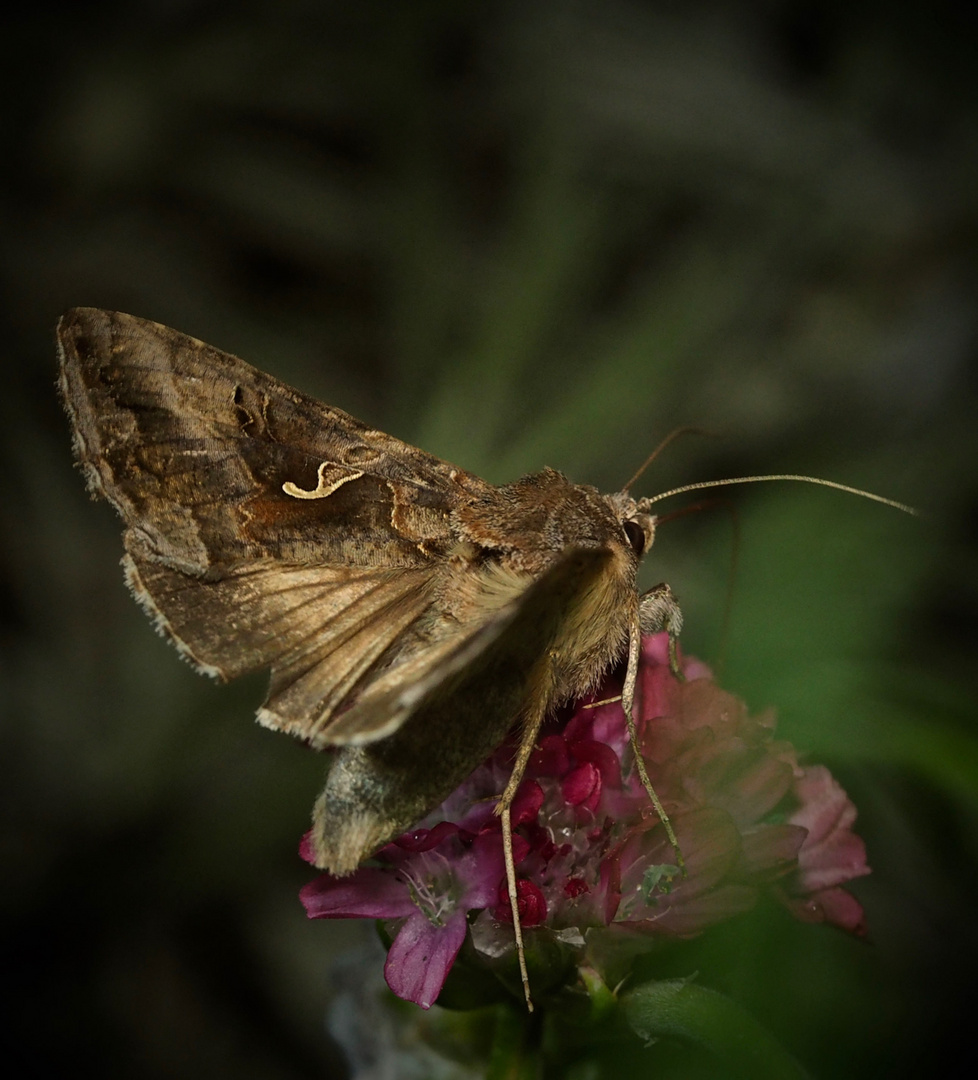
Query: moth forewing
411	614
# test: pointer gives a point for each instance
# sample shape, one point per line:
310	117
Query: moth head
636	523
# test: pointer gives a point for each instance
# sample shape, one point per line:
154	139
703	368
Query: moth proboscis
411	614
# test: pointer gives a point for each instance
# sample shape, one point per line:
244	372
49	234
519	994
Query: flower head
592	855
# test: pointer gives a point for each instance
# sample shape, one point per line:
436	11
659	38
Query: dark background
516	235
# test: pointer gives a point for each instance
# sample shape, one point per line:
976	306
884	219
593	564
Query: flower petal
530	902
527	803
834	906
582	786
551	757
769	848
601	756
421	957
426	839
832	853
746	782
370	893
693	916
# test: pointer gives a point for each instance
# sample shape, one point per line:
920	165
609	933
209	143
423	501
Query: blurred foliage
515	235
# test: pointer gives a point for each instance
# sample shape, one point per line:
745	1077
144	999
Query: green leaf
683	1009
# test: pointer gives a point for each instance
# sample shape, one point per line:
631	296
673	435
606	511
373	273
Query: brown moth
411	613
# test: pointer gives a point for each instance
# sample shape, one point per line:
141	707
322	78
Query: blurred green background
516	235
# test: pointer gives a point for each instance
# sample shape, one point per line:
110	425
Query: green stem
694	1013
514	1054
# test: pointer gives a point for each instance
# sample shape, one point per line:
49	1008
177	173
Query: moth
412	614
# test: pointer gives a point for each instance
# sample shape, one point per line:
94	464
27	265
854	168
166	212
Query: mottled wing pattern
263	528
198	451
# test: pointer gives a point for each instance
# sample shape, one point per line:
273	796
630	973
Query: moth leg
628	704
514	903
658	609
534	717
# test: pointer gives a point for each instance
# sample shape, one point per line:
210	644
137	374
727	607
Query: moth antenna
645	503
671	437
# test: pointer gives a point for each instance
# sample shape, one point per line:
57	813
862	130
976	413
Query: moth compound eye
636	536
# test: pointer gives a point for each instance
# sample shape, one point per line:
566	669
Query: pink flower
830	855
431	879
593	860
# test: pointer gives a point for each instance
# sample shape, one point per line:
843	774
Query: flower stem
515	1052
